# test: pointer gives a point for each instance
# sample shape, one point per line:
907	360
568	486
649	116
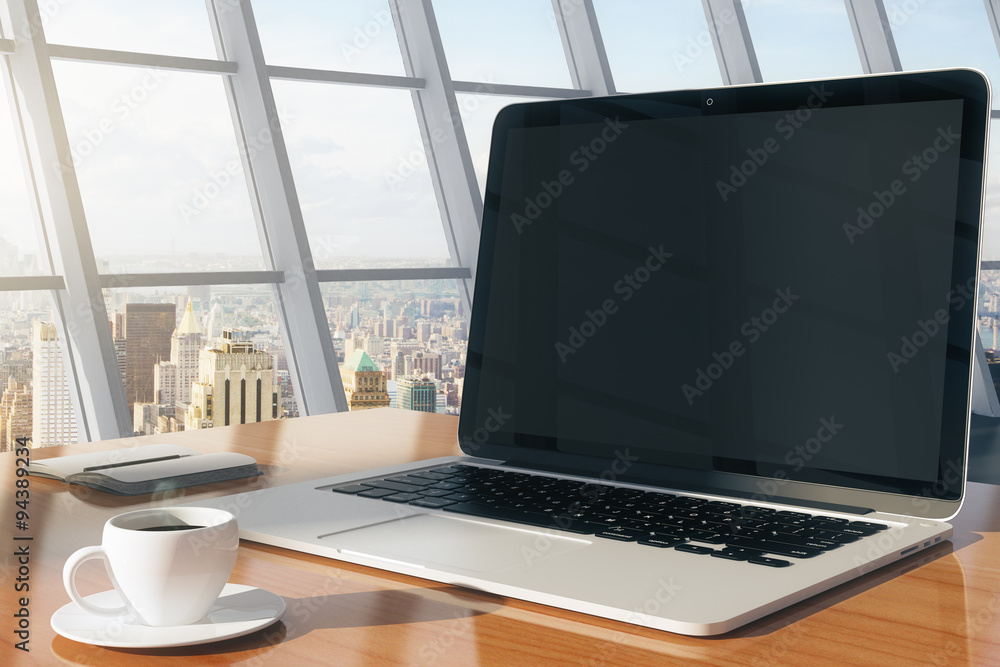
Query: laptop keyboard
758	535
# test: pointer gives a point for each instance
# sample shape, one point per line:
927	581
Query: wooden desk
941	607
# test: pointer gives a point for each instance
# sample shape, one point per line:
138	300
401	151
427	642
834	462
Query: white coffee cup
168	564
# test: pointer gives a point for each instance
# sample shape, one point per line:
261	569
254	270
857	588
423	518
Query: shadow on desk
344	610
882	576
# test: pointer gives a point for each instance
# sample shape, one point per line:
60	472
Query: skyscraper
15	414
235	386
364	382
172	379
416	393
148	328
427	363
53	421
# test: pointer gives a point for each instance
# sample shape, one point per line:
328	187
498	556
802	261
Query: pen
132	463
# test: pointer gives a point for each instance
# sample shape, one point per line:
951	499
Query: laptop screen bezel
939	500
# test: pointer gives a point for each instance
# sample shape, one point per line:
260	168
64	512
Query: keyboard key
774	547
851	529
393	486
621	534
402	497
376	493
351	488
460	497
866	524
734	555
433	476
770	562
661	541
812	543
434	493
446	485
411	479
694	549
833	519
433	503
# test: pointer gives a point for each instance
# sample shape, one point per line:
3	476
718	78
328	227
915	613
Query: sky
156	154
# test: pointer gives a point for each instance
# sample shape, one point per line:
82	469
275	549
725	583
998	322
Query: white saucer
239	611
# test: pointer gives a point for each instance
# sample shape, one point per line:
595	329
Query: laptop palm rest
455	543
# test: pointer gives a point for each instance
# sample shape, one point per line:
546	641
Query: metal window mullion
136	59
873	36
312	360
439	119
585	54
84	330
734	51
993	15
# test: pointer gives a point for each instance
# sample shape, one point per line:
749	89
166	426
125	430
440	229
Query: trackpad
430	539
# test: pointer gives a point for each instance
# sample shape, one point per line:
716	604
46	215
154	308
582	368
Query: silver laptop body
756	300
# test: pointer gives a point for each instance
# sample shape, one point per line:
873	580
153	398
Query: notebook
719	356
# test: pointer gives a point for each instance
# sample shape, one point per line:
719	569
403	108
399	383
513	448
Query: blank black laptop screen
774	281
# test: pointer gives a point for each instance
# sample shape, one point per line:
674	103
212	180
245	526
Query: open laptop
719	359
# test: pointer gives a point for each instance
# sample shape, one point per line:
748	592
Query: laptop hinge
694	488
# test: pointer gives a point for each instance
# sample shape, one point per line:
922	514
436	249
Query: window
516	41
361	173
169	27
802	39
180	203
658	45
355	36
159	170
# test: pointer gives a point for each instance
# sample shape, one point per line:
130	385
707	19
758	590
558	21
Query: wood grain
941	607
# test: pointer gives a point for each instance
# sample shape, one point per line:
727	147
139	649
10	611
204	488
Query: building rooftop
360	361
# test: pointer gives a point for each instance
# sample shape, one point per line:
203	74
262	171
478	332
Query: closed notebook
147	469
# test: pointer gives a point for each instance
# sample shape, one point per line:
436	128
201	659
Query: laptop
720	357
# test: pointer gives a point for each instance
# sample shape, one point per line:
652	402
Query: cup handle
69	581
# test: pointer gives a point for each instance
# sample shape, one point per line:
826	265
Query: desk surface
941	607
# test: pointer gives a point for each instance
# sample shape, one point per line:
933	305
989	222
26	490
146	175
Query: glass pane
516	42
655	45
19	233
355	36
170	27
945	33
35	401
361	174
159	171
804	39
478	113
414	329
161	347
